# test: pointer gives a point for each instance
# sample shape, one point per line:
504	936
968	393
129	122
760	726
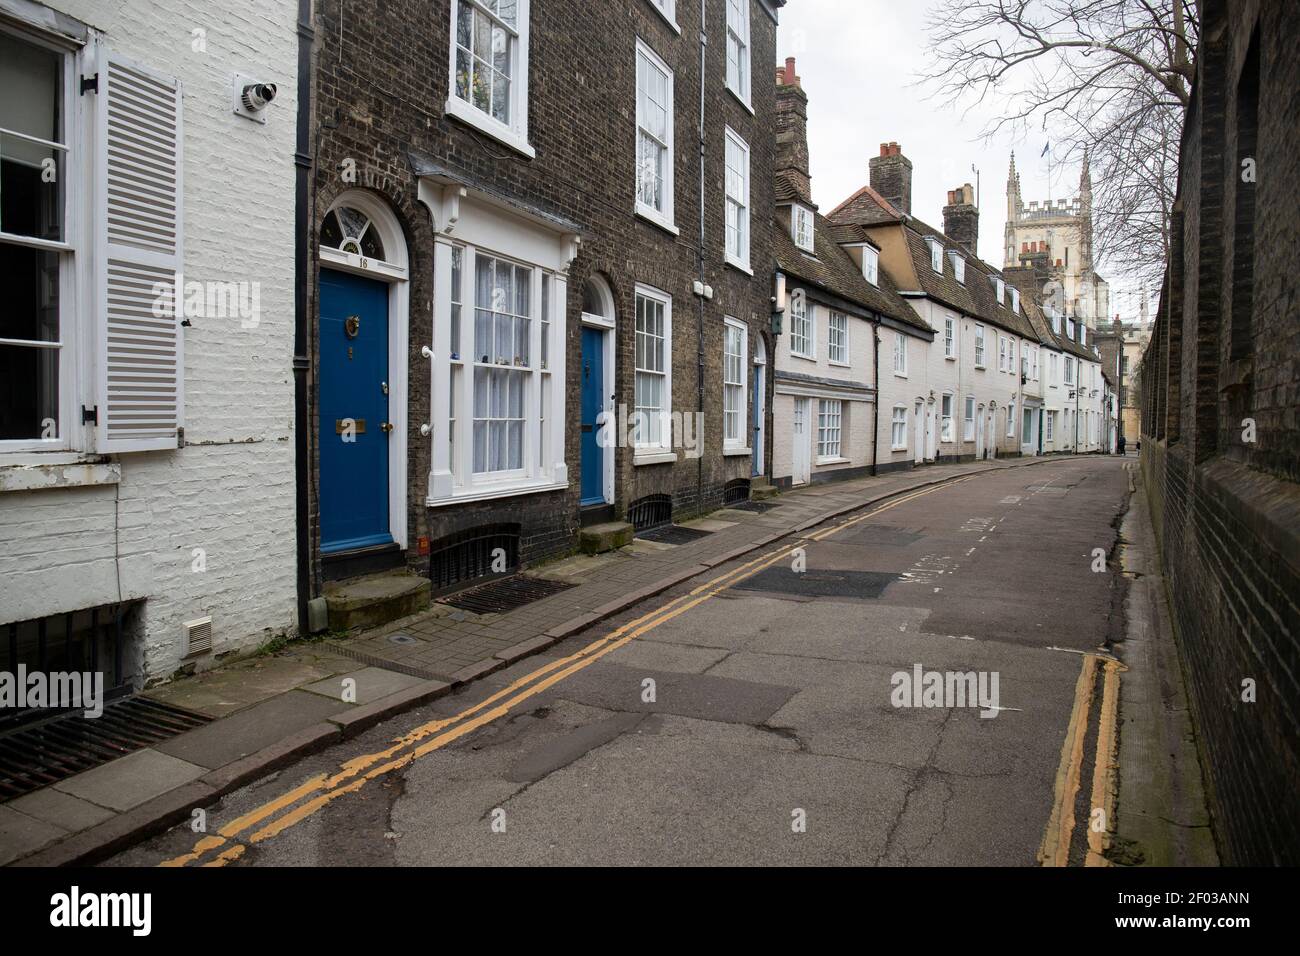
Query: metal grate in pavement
504	594
673	534
46	752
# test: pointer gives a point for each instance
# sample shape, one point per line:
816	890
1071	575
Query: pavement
755	701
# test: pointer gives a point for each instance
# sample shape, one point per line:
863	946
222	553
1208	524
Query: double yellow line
1055	847
312	795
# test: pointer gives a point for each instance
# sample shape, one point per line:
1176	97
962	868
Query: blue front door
353	412
593	403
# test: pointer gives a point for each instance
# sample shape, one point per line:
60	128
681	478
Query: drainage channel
43	753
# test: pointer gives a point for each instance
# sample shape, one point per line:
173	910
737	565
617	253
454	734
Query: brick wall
383	77
1227	510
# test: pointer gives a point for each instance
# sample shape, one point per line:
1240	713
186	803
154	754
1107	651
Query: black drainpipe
301	363
699	337
875	359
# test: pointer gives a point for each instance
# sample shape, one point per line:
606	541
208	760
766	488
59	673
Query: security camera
256	96
249	97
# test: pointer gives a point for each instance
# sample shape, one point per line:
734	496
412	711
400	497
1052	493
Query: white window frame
1011	419
75	326
900	354
958	266
979	346
734	387
871	265
1069	370
1015	300
950	337
898	426
936	255
514	133
830	430
946	415
1001	289
1049	426
663	218
1002	353
968	419
737	254
803	341
837	327
801	217
1051	370
737	33
665	443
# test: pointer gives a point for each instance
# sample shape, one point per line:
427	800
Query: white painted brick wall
230	491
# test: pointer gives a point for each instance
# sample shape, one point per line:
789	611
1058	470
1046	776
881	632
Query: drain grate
758	507
673	534
820	583
504	594
43	753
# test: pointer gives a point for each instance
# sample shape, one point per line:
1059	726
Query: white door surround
393	270
801	432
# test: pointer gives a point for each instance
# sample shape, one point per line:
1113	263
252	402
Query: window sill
806	358
833	461
470	116
511	489
835	364
664	16
647	457
953	358
898	448
900	375
741	100
77	472
657	220
740	266
736	452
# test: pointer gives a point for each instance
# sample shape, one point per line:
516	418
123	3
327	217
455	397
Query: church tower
1014	211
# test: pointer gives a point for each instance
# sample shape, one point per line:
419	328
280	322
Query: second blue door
354	426
593	402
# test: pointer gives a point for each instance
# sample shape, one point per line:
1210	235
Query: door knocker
352	326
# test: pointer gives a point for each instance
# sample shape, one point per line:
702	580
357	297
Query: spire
1085	177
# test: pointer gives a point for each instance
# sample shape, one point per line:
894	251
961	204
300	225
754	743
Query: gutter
303	161
699	329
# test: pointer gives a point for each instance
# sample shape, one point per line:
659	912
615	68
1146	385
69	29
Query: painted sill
740	266
953	358
833	461
470	116
81	472
741	100
806	358
663	16
657	220
900	375
898	448
736	452
835	364
640	458
507	491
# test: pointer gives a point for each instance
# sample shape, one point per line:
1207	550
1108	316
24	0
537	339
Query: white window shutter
138	253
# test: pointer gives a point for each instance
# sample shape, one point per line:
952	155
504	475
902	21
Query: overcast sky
858	61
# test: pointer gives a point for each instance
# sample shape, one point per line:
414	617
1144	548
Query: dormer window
1015	300
958	266
1001	290
936	255
1069	329
871	265
801	226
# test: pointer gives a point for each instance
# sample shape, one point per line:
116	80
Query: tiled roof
835	271
865	207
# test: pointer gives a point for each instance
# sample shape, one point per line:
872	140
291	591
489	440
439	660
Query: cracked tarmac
768	707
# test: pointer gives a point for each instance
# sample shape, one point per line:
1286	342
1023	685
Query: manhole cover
673	534
820	583
37	755
504	594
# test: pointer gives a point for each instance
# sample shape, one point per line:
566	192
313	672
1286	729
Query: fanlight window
349	230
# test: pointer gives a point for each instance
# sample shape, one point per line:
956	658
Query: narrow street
746	717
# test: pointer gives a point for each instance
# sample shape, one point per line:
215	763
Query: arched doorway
598	427
361	378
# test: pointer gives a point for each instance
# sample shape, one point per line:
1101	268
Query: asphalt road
753	721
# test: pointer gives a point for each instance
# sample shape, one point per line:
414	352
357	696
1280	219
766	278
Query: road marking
1055	848
1103	771
355	773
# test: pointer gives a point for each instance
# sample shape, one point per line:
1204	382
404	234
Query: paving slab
61	809
372	683
21	834
229	689
132	780
231	738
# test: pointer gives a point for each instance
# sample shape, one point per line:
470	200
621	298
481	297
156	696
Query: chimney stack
891	176
961	218
792	131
